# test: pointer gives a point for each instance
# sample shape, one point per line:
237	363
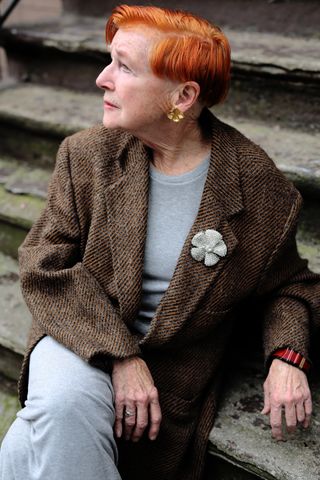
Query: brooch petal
208	246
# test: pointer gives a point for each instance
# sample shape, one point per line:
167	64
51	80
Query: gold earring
175	115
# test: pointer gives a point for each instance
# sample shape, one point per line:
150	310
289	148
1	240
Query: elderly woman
134	271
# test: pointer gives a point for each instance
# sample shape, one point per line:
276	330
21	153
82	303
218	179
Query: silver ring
127	413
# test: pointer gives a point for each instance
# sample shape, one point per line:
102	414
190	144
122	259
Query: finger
141	422
291	417
129	420
300	412
119	418
155	419
308	412
275	422
266	407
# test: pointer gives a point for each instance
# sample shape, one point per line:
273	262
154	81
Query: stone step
292	17
34	119
242	436
53	52
9	404
33	129
23	191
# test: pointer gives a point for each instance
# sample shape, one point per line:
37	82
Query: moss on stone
11	238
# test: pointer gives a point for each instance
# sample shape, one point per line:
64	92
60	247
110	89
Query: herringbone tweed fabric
81	276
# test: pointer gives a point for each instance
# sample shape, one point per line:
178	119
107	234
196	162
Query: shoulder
96	139
271	202
92	152
259	175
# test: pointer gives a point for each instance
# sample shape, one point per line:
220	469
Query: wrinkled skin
286	392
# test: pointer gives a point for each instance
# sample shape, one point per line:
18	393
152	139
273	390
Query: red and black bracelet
293	358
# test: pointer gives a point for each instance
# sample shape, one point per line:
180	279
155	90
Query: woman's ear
188	94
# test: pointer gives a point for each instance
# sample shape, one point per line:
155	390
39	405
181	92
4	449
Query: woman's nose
104	80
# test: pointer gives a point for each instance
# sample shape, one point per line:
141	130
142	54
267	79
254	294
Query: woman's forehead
134	44
136	37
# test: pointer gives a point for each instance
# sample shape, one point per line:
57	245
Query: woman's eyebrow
122	53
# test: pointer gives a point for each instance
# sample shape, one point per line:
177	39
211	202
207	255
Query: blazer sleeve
64	298
290	293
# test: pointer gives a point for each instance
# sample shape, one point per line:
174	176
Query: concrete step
33	129
34	119
292	17
9	404
242	436
52	53
22	196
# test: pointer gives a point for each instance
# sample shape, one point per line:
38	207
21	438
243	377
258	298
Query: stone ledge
9	404
242	435
252	52
19	178
19	210
59	111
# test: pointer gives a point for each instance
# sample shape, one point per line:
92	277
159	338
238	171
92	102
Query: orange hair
191	49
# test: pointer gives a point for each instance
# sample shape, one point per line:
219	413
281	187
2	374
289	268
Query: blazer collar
127	210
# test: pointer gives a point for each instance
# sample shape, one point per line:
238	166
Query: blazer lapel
221	200
127	211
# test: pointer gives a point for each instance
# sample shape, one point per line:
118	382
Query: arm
290	294
64	298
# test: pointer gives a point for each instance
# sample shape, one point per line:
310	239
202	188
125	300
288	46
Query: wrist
119	362
293	358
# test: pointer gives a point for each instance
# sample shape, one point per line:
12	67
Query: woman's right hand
135	393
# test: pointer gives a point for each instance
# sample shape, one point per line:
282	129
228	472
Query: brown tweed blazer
81	276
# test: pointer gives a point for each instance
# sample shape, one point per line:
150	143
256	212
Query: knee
14	444
69	405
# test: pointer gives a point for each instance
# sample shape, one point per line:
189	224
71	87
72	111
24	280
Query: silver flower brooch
208	246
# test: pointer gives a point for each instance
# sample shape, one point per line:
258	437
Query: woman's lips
109	105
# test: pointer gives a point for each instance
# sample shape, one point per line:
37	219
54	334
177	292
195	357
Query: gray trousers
65	431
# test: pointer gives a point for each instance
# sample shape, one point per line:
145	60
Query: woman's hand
136	393
286	386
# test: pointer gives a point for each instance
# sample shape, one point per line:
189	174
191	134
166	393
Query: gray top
173	206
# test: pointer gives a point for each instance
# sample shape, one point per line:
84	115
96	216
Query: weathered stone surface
299	18
296	153
270	101
14	315
9	405
50	110
19	210
27	142
19	178
10	363
11	237
242	435
275	54
63	111
260	52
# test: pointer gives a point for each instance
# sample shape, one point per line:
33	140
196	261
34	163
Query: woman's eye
124	67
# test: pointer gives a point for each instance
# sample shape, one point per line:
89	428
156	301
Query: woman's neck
179	149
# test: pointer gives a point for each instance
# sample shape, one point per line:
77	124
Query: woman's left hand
286	387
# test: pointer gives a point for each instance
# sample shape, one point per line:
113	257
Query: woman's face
134	99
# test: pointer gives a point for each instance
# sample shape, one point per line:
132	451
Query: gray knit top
173	205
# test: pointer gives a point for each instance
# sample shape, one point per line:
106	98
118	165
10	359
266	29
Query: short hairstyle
191	49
